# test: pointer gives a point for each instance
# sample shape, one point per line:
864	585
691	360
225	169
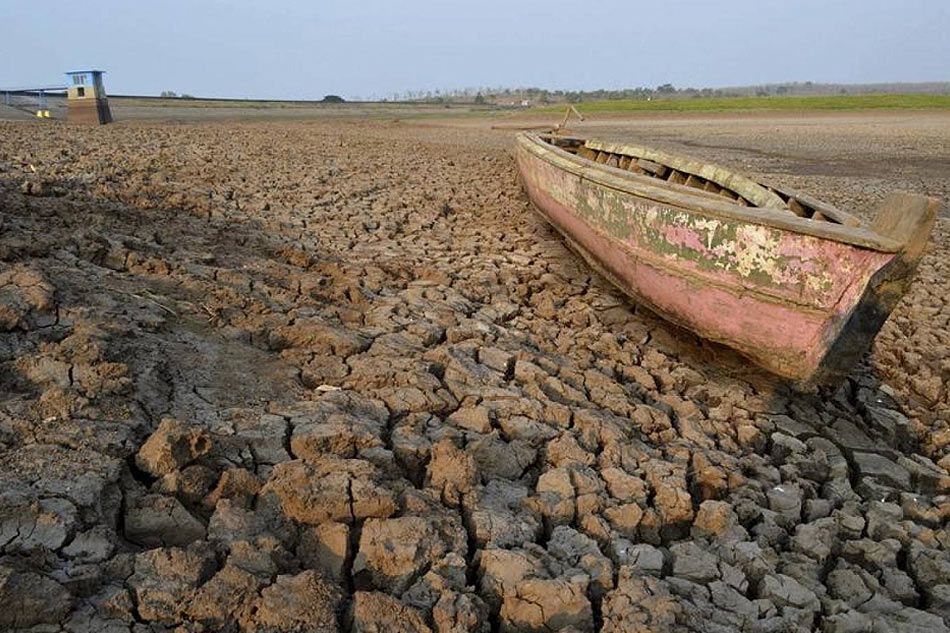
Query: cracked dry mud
338	377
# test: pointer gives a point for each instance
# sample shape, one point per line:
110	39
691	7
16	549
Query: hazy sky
373	48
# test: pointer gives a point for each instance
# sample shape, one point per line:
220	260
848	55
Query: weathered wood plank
797	208
677	177
652	167
754	192
694	181
828	210
586	152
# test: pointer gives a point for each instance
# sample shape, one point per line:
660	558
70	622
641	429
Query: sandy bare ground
336	375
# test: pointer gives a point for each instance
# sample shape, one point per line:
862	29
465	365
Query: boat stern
908	219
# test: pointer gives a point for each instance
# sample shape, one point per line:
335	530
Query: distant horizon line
474	90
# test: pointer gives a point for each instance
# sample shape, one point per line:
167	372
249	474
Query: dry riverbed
336	375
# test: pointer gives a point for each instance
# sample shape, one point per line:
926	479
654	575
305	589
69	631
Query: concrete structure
86	98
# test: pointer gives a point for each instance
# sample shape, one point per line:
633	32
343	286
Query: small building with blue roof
86	100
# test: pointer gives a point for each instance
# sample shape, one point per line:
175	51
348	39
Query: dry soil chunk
639	604
931	569
786	500
328	489
672	499
816	539
910	620
884	520
26	299
785	591
227	599
497	458
578	551
92	546
519	583
882	469
451	471
171	447
324	547
231	522
717	519
475	419
497	516
693	563
541	605
623	486
625	518
341	423
320	337
641	558
157	520
237	484
460	613
165	578
500	571
375	612
29	599
304	602
191	485
567	493
26	524
265	437
394	552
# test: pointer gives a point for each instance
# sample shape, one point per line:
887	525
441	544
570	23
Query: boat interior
714	181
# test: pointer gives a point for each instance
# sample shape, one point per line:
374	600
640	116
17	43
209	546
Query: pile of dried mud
311	377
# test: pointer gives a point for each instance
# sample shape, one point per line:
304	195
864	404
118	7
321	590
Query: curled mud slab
337	376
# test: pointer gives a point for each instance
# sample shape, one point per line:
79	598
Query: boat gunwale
646	188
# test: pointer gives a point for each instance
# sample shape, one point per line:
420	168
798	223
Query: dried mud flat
319	376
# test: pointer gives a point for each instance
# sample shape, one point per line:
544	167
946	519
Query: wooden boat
796	285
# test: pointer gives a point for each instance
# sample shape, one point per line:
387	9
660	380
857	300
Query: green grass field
727	104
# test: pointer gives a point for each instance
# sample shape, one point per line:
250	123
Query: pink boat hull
801	306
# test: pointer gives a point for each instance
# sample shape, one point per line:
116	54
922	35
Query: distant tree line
534	95
514	96
171	94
